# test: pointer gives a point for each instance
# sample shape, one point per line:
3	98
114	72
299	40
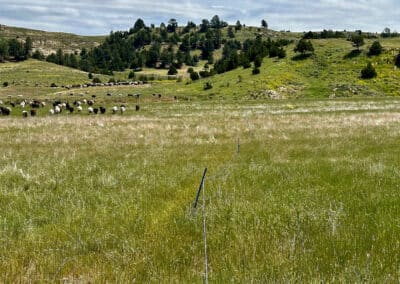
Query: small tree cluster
14	49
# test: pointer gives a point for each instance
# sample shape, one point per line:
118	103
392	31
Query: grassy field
313	195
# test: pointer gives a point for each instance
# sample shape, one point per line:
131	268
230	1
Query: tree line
14	49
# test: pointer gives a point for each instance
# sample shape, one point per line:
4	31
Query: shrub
5	84
172	70
207	86
375	49
281	53
190	70
90	76
256	71
131	75
112	80
397	60
368	72
257	61
96	80
194	76
53	85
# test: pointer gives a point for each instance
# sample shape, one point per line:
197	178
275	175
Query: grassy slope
49	42
322	75
314	77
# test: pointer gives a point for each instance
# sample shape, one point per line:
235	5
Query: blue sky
90	17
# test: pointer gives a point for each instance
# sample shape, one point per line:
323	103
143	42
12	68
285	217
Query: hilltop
48	42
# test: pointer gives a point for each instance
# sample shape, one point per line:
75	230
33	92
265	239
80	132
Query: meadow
312	196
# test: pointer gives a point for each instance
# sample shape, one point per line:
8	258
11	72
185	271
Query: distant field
313	195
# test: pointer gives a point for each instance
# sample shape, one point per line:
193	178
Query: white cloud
99	17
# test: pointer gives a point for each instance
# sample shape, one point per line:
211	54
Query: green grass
313	195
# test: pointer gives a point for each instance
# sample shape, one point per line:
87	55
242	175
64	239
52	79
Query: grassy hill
49	42
326	74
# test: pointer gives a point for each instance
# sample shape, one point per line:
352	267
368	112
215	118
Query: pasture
312	196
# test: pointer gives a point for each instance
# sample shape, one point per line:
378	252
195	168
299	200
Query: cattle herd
30	107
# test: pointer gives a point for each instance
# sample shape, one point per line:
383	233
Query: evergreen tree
375	49
238	26
3	50
368	72
264	24
357	40
304	46
28	47
172	70
397	60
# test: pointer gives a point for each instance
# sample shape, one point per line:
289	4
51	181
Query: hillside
48	42
327	74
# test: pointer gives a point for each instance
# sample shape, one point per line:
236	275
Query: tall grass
313	195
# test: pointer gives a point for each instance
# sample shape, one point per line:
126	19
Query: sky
98	17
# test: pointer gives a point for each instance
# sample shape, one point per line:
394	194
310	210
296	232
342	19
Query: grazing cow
25	113
102	110
1	102
56	103
43	104
122	109
96	110
12	104
51	111
93	96
90	110
35	104
90	102
109	95
71	110
22	104
5	111
57	109
137	107
79	108
114	109
33	112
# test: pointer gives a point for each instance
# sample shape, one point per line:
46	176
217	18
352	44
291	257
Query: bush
397	60
194	76
368	72
204	74
207	86
375	49
90	76
53	85
5	84
96	80
257	61
256	71
112	80
131	75
281	53
190	70
172	70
